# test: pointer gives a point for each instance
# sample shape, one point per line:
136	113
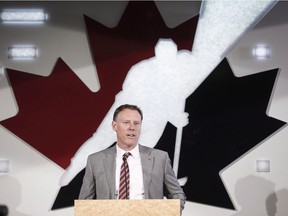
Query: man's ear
114	125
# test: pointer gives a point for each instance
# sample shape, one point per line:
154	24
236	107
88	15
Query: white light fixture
261	52
1	71
263	166
22	52
4	166
32	16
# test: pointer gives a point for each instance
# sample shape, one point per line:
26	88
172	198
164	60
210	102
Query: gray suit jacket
158	177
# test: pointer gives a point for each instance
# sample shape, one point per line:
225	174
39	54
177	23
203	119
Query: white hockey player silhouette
159	86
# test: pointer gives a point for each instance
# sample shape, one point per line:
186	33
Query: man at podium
129	170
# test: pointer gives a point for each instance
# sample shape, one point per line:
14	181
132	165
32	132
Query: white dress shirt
135	171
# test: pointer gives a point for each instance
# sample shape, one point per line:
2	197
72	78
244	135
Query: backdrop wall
170	58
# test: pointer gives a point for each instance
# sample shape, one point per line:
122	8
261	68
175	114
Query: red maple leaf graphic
57	114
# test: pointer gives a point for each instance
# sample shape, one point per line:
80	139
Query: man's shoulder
150	150
103	153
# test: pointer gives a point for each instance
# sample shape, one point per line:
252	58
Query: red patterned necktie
124	185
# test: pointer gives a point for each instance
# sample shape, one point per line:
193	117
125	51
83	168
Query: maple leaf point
57	114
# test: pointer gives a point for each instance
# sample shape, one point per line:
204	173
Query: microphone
116	194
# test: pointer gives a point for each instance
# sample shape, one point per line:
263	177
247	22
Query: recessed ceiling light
261	52
31	16
4	166
1	71
263	166
22	52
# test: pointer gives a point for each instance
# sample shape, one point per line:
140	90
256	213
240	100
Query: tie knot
126	155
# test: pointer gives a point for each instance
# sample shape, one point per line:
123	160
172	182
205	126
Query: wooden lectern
148	207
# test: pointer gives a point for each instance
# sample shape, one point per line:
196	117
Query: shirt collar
134	152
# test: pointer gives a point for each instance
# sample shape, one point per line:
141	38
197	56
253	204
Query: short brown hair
127	106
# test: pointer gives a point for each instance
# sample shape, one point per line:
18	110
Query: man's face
127	126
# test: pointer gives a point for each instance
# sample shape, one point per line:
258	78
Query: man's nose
131	127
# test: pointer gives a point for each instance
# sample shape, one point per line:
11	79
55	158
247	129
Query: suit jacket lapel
110	167
147	165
